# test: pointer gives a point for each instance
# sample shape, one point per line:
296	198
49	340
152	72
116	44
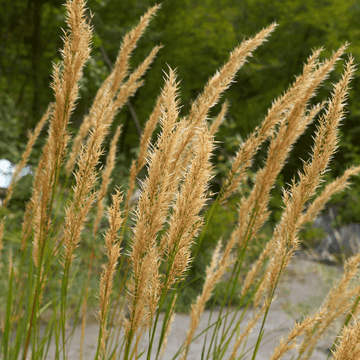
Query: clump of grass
169	222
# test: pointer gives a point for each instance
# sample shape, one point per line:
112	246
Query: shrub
62	225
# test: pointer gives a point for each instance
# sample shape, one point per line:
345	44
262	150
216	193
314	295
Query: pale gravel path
302	288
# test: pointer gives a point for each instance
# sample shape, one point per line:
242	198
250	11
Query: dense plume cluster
169	218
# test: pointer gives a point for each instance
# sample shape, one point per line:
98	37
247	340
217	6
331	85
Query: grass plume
170	218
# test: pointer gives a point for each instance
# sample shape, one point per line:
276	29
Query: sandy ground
301	290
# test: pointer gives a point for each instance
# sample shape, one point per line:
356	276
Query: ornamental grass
143	277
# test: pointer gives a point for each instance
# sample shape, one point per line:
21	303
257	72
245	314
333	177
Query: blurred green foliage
10	129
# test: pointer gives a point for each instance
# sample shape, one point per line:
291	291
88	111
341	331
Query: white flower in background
6	171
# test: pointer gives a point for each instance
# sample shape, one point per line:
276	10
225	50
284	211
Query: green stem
262	329
166	321
64	286
6	338
232	284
